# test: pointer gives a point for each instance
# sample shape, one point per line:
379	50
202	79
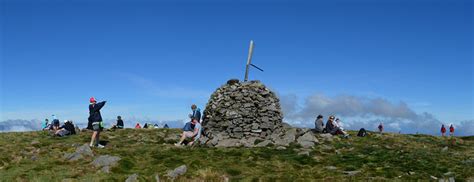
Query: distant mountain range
19	125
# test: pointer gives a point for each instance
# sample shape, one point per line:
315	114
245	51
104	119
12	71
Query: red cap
92	99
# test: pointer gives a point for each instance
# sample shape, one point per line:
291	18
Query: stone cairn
245	114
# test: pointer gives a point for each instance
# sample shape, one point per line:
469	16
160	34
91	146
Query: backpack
362	133
188	127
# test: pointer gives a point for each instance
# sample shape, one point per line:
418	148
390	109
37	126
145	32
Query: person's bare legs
93	138
183	137
97	138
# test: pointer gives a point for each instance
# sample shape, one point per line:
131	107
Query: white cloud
363	112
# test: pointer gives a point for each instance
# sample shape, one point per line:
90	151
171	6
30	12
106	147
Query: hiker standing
319	124
381	127
196	113
443	130
451	130
95	121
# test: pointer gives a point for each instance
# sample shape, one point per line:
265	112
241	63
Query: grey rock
105	160
304	152
157	178
228	143
351	173
264	143
331	167
307	140
281	148
35	142
445	149
132	178
80	153
451	179
177	172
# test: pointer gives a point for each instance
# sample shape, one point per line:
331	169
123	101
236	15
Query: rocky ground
149	155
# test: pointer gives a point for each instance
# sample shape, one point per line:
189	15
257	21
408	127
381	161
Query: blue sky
152	60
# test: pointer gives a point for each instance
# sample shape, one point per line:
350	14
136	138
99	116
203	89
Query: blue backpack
188	127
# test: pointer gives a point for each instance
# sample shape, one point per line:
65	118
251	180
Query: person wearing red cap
95	121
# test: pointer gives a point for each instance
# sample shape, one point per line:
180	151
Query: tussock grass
390	157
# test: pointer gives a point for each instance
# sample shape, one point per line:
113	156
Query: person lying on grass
194	134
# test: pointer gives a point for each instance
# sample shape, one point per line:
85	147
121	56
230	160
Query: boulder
132	178
228	143
177	172
80	153
307	140
105	162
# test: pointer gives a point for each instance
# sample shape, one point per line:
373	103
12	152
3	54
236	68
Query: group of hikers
451	130
56	129
191	130
333	126
150	126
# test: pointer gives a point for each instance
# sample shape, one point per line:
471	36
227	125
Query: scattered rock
451	179
105	160
411	173
304	152
264	143
132	178
331	167
351	173
307	140
80	153
177	172
326	137
228	143
281	148
448	174
157	178
35	142
433	177
445	149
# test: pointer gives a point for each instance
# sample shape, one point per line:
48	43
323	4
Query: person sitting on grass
335	128
319	124
46	125
119	124
188	132
66	129
137	126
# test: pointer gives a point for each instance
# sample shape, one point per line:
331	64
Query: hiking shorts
96	126
188	134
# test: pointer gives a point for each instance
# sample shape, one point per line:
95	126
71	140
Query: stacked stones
241	113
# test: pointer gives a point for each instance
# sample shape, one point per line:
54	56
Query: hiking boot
177	144
100	146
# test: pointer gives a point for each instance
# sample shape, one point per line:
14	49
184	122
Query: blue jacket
94	113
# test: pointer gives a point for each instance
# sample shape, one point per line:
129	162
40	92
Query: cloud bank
364	112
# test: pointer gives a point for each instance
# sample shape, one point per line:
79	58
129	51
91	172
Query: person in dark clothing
119	124
95	121
66	129
319	124
166	126
196	113
145	126
329	124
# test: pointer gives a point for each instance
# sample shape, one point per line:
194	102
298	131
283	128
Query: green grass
145	152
